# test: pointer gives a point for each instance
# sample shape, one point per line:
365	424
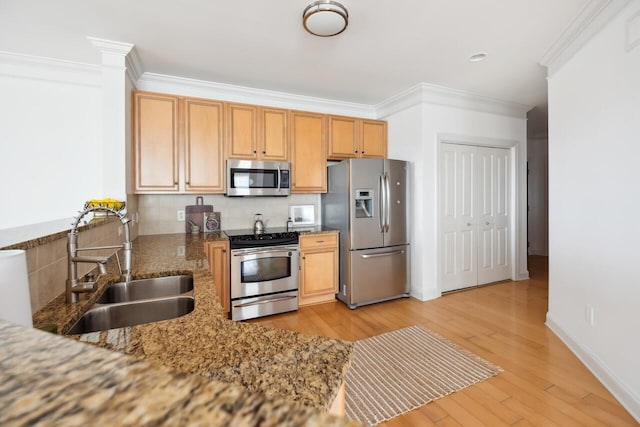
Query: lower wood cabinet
318	268
218	256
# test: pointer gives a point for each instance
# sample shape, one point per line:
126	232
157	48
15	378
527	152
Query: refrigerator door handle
381	203
382	254
387	202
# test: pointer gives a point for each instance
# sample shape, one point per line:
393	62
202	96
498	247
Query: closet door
493	215
474	216
458	208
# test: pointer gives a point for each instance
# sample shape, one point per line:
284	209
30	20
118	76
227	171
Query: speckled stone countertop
280	364
50	380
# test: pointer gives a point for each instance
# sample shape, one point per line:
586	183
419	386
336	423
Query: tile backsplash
47	263
158	213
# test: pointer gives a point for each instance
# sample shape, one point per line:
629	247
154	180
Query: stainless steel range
264	272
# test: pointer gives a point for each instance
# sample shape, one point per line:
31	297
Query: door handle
487	223
387	191
265	301
381	202
382	254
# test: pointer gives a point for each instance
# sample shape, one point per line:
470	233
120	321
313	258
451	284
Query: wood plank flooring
543	383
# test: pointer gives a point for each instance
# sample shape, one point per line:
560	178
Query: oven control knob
290	254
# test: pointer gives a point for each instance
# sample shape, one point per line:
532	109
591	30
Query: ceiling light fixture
477	57
325	18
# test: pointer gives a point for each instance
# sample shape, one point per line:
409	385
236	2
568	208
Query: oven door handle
262	251
265	301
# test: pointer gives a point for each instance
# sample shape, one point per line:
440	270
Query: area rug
396	372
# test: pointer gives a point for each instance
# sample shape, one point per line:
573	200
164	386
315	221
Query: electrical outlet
181	250
589	314
180	215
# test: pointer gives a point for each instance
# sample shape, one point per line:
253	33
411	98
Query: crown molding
593	17
118	54
227	92
19	65
425	93
633	31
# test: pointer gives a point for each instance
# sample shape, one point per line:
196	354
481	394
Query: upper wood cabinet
373	138
308	152
257	133
177	144
155	142
350	137
203	142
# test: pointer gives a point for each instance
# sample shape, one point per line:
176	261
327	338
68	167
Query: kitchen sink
142	289
119	315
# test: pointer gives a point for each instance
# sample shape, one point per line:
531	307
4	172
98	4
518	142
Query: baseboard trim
613	383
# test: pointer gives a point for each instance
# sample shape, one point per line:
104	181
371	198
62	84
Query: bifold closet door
474	215
493	214
458	209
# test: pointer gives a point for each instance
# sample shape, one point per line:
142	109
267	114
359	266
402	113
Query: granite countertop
299	368
50	380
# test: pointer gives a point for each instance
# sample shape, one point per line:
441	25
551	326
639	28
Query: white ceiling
388	47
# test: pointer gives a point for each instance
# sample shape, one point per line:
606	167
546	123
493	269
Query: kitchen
94	99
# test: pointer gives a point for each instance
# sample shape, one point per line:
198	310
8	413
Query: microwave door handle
278	178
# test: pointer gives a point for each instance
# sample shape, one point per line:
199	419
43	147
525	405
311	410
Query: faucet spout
73	286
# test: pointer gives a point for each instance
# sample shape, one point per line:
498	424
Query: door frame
515	210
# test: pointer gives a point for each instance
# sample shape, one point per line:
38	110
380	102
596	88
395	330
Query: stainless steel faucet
74	287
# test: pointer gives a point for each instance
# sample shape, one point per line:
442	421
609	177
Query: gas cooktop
271	237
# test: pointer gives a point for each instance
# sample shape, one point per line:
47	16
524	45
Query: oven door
259	271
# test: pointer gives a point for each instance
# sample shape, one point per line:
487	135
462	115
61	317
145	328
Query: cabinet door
343	137
204	154
155	143
308	153
273	143
374	139
318	276
318	268
218	257
242	141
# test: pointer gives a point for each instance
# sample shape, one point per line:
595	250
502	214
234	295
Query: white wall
413	135
594	231
537	159
50	157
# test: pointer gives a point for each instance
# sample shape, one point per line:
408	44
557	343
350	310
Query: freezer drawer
378	275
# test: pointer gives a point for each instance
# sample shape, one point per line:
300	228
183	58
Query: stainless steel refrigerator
367	202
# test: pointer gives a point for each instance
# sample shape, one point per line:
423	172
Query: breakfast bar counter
305	371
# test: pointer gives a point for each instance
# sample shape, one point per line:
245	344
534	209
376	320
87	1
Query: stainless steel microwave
256	178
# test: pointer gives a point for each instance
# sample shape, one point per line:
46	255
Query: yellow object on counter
105	203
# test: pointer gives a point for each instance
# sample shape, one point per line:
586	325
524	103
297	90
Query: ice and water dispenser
364	203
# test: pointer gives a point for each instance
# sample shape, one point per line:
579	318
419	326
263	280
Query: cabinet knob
175	182
254	151
188	183
362	151
264	152
356	151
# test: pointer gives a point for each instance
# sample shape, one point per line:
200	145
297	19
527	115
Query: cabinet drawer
312	241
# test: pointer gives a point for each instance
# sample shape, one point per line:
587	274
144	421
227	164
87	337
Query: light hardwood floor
543	383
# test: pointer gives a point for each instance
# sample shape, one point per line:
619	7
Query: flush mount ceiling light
325	18
477	57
